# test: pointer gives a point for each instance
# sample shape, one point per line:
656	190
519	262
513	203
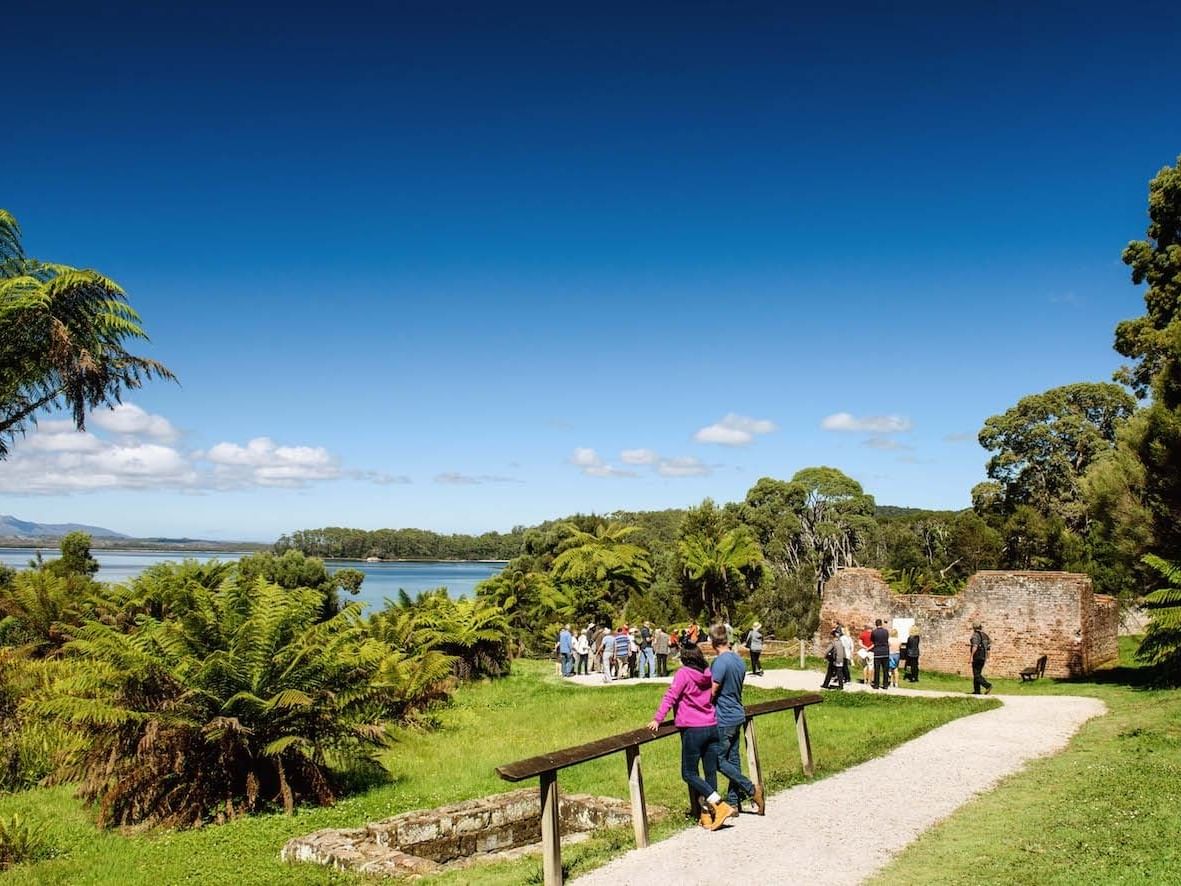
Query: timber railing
546	768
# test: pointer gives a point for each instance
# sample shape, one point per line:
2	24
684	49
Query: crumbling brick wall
1027	614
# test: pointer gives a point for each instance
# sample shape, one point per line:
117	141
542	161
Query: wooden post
805	742
635	781
752	752
551	835
801	653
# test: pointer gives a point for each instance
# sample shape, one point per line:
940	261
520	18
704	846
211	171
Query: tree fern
1162	641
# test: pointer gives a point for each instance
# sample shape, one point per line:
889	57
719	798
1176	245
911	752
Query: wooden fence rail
546	767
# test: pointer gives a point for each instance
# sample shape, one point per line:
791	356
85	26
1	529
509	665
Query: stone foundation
1026	614
427	842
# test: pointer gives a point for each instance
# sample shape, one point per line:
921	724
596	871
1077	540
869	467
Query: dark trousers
661	664
912	670
582	662
699	745
834	670
881	671
730	764
978	680
754	662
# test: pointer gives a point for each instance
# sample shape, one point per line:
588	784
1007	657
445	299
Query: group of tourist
883	653
617	654
706	701
637	652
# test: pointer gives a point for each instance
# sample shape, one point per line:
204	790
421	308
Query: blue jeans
730	763
647	663
699	744
567	664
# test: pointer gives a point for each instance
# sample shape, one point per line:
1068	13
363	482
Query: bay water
382	580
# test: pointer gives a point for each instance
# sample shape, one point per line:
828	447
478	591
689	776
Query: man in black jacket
912	657
880	639
979	645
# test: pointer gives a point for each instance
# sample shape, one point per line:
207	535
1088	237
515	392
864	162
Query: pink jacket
690	697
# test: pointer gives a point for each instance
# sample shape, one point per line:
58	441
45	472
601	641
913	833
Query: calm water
381	579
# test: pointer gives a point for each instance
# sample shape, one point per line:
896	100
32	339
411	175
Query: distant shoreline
29	545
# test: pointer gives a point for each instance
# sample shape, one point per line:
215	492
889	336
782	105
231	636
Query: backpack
984	646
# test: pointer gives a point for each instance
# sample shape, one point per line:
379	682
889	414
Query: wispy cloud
885	444
959	438
379	478
876	424
592	464
1066	298
914	460
734	430
683	466
131	449
639	457
454	478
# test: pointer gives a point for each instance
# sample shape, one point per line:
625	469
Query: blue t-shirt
729	672
565	642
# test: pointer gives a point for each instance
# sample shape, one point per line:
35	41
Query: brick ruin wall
1026	614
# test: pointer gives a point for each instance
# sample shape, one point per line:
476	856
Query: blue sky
435	252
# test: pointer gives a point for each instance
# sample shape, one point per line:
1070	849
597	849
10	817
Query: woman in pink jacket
691	698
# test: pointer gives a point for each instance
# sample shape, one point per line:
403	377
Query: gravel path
944	769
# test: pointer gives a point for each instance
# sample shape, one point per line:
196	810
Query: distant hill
13	527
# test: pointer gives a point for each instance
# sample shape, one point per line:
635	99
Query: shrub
22	841
246	697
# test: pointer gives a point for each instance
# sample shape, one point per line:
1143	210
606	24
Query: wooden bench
546	768
1038	670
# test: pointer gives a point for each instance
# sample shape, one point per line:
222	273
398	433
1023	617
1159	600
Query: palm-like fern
1162	641
717	571
604	558
39	609
471	633
63	335
244	698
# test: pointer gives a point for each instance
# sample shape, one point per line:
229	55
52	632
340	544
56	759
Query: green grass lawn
1105	811
487	724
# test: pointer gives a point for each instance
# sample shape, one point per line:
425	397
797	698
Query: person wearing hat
980	645
835	656
754	645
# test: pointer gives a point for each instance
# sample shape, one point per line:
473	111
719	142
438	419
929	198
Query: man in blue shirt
566	650
729	673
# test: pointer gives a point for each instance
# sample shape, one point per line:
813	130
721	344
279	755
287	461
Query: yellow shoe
722	811
707	821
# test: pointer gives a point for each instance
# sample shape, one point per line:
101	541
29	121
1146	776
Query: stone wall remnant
416	844
1026	615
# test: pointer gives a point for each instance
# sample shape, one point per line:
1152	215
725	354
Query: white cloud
262	462
454	478
55	459
127	418
33	469
591	463
585	458
685	466
877	424
734	430
638	457
958	438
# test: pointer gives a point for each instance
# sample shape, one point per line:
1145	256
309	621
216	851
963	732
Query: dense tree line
336	542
